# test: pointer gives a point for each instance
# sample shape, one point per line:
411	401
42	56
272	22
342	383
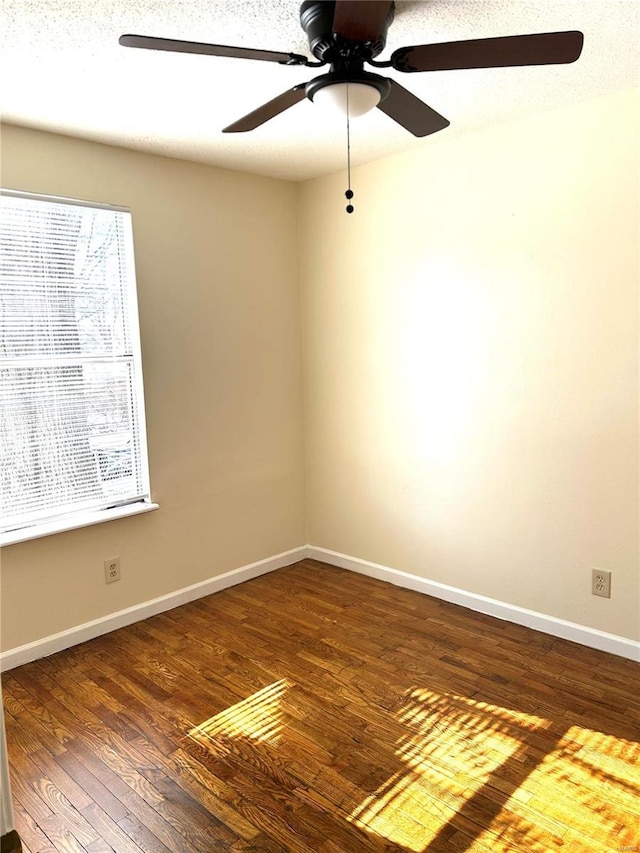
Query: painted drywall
471	362
218	294
470	366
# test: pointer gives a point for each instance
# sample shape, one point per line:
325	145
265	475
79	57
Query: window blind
72	427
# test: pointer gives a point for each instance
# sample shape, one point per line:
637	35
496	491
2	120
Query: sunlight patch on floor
259	717
452	748
592	781
463	758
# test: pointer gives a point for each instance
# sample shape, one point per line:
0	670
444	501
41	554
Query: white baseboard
65	639
591	637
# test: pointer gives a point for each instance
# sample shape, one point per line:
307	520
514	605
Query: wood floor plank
97	792
31	835
109	831
64	811
314	710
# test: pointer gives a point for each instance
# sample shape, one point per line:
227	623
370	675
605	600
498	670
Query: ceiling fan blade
502	52
412	113
269	110
360	20
177	46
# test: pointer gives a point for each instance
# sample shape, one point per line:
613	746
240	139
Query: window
72	427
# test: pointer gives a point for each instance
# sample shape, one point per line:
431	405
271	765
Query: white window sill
75	521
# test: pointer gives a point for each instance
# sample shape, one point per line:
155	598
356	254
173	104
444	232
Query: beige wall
471	362
218	292
470	369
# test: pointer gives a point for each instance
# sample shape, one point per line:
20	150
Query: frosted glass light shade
361	98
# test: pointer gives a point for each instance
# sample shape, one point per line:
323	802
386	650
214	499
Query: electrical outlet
112	570
601	583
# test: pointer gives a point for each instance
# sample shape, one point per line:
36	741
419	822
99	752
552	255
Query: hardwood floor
314	710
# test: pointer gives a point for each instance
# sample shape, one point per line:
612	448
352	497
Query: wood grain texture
313	710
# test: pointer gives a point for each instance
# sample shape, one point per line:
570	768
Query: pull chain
349	192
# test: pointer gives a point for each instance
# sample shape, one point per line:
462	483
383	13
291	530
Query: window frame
77	518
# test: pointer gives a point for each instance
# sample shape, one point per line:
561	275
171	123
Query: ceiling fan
346	34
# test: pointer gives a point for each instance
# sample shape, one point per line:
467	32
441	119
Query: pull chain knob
349	196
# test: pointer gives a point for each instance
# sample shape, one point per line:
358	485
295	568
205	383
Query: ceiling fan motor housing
316	19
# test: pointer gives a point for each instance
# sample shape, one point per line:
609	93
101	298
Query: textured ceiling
62	70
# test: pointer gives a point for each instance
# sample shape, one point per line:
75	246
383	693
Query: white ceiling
62	70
